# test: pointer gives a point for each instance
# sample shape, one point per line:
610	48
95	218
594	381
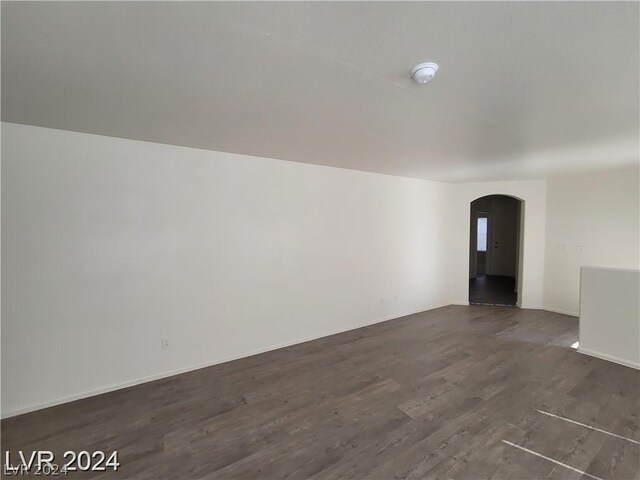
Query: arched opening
495	266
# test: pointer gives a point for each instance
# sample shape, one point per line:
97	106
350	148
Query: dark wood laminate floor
430	395
493	290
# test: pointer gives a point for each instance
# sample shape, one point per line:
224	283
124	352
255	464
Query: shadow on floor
493	290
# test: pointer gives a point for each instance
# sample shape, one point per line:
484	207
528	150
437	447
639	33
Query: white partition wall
610	314
591	219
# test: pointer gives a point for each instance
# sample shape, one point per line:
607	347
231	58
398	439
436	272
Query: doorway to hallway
494	250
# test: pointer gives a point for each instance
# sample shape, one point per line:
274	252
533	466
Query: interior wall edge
609	358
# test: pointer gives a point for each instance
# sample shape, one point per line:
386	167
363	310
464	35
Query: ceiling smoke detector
424	72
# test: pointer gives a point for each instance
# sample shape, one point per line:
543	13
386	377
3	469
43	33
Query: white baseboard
151	378
563	312
610	358
530	307
551	309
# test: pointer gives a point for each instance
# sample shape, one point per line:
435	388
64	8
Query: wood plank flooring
431	395
493	290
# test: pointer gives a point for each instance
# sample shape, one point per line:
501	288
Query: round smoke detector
424	72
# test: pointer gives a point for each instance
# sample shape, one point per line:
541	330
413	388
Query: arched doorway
494	250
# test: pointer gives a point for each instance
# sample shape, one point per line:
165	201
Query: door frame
520	241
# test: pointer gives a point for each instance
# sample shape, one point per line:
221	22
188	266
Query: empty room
320	239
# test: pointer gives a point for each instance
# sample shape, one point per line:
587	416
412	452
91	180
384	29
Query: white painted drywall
591	220
610	314
459	198
110	245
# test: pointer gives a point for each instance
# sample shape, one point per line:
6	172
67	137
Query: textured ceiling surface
524	90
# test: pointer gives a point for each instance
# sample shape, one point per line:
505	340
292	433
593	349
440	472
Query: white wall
459	198
592	220
110	245
610	314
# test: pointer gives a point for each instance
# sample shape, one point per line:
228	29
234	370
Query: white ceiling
524	90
